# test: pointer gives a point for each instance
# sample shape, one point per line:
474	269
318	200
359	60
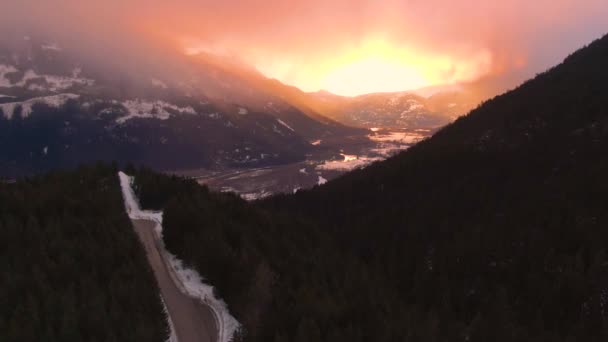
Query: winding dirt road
192	320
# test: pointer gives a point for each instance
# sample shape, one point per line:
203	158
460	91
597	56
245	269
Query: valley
328	160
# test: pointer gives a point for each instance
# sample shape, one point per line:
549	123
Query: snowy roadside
186	279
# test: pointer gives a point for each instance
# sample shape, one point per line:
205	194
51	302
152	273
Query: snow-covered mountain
403	110
58	108
392	110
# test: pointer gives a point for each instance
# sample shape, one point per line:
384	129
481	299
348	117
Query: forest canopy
72	268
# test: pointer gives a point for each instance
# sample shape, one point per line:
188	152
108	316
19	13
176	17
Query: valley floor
327	163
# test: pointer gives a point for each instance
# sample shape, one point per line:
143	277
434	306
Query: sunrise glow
375	65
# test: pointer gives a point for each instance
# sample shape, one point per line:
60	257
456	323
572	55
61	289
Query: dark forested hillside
64	137
492	230
496	226
72	268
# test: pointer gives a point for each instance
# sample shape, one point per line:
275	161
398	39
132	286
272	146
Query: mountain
430	110
382	110
425	109
61	107
491	230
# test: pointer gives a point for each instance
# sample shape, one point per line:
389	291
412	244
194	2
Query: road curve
192	320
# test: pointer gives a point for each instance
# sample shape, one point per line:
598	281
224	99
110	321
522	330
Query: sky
348	47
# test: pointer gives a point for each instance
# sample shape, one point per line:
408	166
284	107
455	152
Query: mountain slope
248	86
390	110
491	230
500	214
72	267
60	108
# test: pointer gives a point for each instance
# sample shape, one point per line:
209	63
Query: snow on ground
316	142
349	157
54	101
151	109
51	82
243	111
6	69
6	96
51	46
321	180
189	281
286	125
27	76
252	196
389	150
414	105
58	83
395	99
398	137
303	171
350	162
276	130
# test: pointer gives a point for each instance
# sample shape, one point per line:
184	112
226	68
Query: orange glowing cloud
345	46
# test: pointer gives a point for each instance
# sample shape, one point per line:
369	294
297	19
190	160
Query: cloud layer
302	41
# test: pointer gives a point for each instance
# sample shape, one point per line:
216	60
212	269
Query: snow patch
151	109
27	76
189	281
303	171
51	82
6	69
54	101
398	137
51	47
349	157
276	130
57	83
316	142
256	195
243	111
285	125
350	162
414	105
389	150
321	180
